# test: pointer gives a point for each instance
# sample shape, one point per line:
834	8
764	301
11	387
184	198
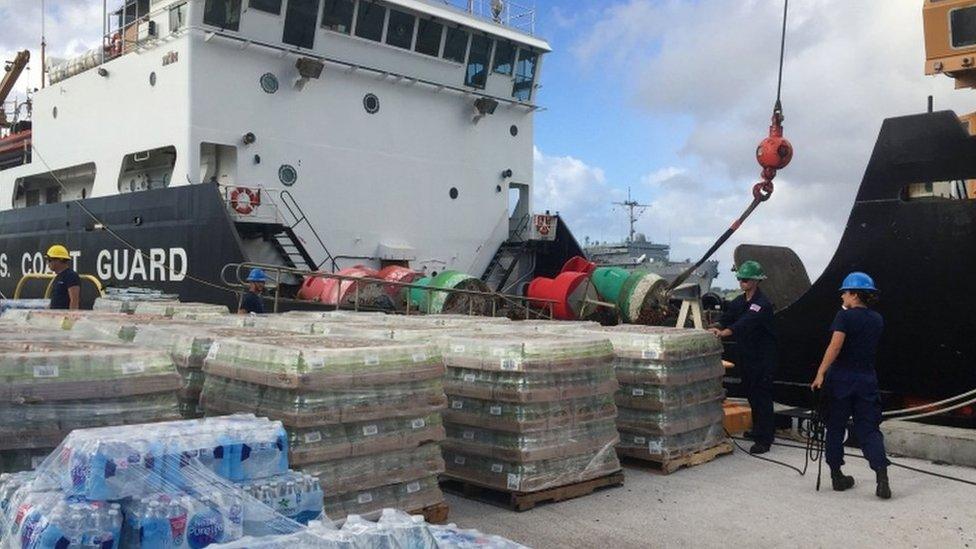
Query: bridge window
504	57
456	45
300	23
525	74
370	20
429	37
399	30
337	15
225	14
270	6
52	187
962	23
477	73
177	17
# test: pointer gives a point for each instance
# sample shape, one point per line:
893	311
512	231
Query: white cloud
72	27
849	65
579	192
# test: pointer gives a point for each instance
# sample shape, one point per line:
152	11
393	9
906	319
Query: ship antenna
634	210
43	48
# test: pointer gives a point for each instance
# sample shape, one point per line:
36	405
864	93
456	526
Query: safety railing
528	308
292	205
19	289
506	13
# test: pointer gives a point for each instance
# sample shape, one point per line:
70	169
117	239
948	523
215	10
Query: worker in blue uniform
251	301
749	320
66	286
848	377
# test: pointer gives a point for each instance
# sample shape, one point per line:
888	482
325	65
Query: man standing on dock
749	319
251	301
66	288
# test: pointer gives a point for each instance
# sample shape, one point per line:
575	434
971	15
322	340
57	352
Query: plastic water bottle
206	524
154	532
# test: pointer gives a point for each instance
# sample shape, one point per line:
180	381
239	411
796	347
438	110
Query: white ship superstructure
402	128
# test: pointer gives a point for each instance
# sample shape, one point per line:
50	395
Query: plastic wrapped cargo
314	362
660	343
649	396
526	352
164	487
179	309
375	470
523	417
531	476
673	373
665	447
531	446
344	440
672	421
410	496
310	408
528	386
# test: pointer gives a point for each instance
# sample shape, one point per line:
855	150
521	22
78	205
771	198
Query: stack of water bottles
362	415
169	485
529	410
670	396
51	386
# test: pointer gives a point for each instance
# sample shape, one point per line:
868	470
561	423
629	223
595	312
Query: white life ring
244	200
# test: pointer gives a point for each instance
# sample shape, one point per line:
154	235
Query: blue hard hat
858	281
257	275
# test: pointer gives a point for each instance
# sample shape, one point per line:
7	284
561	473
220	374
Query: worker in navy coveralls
749	320
251	301
847	375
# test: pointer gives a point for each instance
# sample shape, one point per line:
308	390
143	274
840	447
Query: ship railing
510	14
479	303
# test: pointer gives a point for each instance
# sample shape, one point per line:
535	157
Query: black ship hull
922	255
176	240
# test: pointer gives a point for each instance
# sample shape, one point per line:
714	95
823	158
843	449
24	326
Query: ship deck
738	499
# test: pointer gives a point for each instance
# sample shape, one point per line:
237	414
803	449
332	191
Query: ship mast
634	210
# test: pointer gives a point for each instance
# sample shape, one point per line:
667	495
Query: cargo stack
363	416
51	387
670	396
529	411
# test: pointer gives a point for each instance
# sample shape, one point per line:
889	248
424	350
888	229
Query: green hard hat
750	270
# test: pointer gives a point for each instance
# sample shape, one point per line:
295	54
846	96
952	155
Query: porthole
513	130
371	103
152	79
453	193
54	112
287	175
269	83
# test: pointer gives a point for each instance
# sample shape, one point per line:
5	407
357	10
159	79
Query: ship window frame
519	79
359	21
467	42
225	26
485	63
389	21
178	16
312	29
440	36
250	5
350	23
951	29
495	65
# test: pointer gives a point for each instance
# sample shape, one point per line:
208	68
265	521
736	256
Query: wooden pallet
523	501
669	466
434	514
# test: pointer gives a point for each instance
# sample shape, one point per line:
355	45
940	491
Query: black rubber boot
840	481
759	448
883	491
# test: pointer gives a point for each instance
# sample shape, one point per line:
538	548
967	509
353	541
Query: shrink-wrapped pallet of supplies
670	395
214	482
529	411
51	386
362	414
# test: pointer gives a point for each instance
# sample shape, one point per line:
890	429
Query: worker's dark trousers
757	380
854	392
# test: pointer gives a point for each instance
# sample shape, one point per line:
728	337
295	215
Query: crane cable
779	153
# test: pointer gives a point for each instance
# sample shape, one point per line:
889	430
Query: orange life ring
244	200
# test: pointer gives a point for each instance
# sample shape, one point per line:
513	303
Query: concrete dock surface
739	500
